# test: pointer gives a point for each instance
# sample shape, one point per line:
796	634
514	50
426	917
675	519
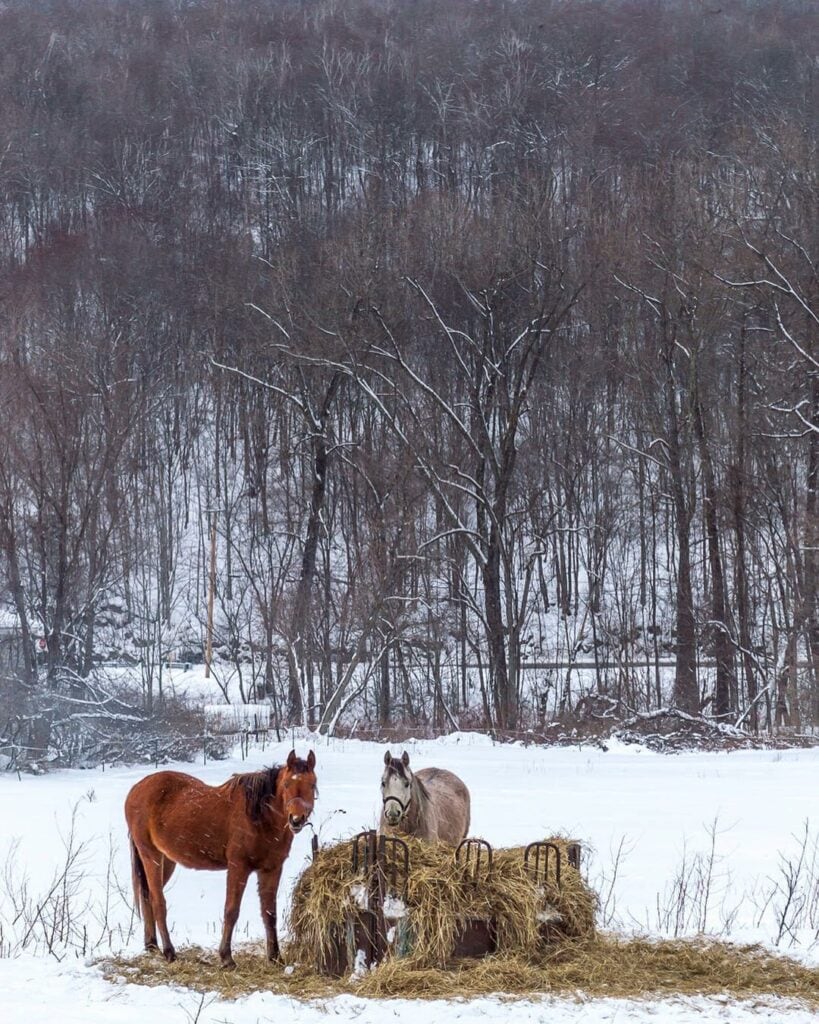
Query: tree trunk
738	484
723	650
811	548
302	607
686	689
505	702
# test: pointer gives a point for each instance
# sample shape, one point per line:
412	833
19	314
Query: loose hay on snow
440	899
607	966
601	966
201	971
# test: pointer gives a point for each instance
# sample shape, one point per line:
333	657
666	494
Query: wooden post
211	589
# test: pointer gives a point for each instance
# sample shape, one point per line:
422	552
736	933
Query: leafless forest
480	339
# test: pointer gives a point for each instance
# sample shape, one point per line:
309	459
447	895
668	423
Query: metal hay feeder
476	936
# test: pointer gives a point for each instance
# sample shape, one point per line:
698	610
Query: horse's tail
139	880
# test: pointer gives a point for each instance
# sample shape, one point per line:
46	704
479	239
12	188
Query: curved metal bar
474	854
536	861
394	864
364	851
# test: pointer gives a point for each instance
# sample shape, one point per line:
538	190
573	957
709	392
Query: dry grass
201	971
601	966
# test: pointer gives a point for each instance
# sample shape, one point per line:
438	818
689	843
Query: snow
740	817
40	990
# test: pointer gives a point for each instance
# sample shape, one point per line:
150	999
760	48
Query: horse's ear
311	761
291	759
387	757
405	759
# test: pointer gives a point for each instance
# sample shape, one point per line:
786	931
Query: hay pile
440	898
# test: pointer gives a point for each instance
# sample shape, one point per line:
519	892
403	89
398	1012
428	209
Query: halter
404	807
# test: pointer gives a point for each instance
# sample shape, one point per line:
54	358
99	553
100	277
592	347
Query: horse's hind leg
149	926
142	898
158	869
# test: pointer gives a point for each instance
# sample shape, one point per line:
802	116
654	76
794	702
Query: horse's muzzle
297	822
393	809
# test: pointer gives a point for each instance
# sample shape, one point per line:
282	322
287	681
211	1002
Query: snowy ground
730	825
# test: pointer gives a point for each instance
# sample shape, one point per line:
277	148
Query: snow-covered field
705	841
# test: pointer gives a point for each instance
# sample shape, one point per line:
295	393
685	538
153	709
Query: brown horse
431	804
246	824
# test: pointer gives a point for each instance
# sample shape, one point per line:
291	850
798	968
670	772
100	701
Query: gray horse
431	804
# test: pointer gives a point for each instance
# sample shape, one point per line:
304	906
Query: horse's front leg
237	875
268	891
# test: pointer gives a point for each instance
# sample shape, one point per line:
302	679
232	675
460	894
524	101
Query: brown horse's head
396	787
297	786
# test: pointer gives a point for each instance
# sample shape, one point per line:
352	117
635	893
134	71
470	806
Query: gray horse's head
396	787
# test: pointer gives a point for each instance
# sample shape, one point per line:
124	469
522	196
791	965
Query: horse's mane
420	790
260	786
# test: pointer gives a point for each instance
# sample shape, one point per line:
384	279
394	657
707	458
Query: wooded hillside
487	331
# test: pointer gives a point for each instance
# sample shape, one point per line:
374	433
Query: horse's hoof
151	947
169	954
229	965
